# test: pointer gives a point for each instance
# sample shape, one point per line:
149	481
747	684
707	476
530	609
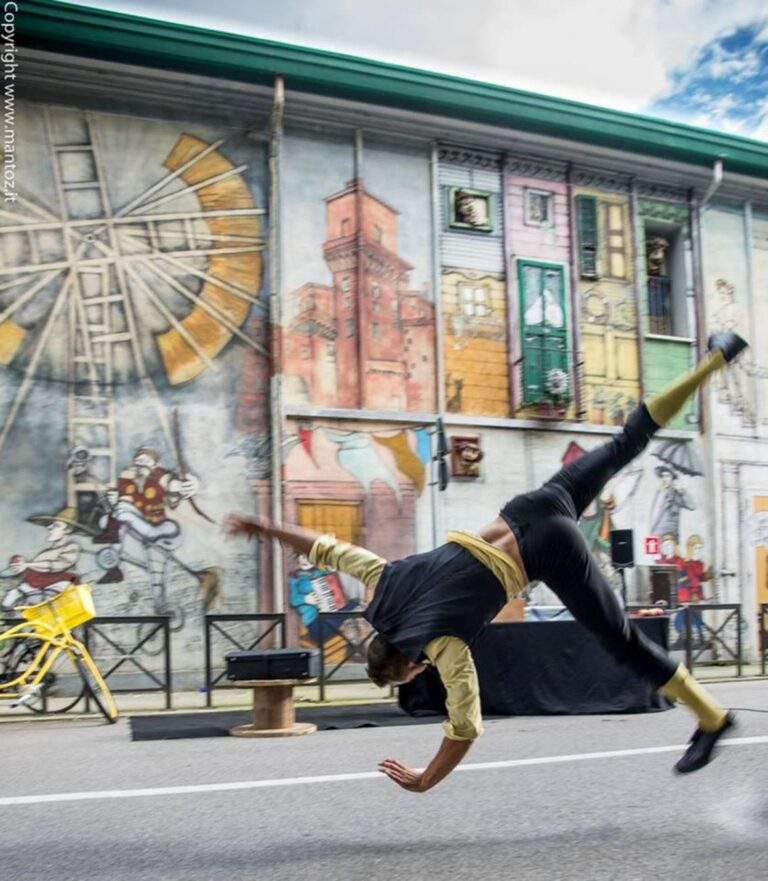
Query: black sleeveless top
444	592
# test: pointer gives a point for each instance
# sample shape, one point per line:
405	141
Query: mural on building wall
757	362
733	387
678	462
608	312
360	334
538	241
473	284
129	314
312	591
727	285
362	485
691	576
50	569
676	520
666	292
758	539
475	351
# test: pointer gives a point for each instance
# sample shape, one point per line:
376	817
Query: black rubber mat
175	726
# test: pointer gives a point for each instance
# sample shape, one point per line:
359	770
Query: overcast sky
699	61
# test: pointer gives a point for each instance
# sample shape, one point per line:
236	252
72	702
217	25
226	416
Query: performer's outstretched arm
449	755
453	661
301	540
322	550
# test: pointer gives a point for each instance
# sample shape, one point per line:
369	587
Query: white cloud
761	132
617	53
734	66
760	121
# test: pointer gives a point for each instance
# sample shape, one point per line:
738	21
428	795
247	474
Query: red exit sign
651	545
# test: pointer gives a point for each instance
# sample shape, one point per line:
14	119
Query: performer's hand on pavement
407	778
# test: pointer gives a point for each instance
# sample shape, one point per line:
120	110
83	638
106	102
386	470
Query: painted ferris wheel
97	295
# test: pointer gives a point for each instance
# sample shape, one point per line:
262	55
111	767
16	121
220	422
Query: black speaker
273	664
622	551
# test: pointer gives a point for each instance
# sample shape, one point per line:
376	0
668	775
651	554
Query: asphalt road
584	798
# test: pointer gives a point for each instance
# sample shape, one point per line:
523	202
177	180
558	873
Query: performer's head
388	665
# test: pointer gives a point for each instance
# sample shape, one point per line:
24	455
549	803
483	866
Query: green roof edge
116	36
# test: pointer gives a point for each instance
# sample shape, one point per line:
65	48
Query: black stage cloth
540	668
176	726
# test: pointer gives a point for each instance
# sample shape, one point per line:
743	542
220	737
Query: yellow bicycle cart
43	666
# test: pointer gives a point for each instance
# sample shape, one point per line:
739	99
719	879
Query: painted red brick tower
375	318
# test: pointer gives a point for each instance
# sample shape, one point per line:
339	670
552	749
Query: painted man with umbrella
676	458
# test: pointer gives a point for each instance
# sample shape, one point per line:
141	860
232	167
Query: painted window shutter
544	327
586	220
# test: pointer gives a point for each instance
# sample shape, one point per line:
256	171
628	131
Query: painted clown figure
144	485
691	577
139	508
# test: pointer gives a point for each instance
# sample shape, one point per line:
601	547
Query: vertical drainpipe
748	247
275	324
695	216
511	292
634	219
706	398
706	427
362	353
434	167
573	260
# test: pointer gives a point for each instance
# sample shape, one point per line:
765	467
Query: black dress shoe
699	752
729	343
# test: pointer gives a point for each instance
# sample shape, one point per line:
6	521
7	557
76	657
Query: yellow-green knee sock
684	688
666	404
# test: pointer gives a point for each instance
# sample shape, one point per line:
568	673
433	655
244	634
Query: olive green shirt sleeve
453	661
330	553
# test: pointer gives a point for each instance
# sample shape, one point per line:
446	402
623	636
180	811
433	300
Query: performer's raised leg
573	574
585	477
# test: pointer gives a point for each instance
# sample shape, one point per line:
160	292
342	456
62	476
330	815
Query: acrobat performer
428	609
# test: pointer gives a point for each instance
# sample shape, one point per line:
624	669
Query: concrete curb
244	705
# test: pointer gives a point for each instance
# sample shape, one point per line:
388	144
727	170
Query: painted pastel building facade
227	290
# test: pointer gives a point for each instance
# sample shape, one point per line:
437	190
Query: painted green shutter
586	221
545	342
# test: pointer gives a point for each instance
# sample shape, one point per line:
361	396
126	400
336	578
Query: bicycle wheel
59	690
95	686
62	688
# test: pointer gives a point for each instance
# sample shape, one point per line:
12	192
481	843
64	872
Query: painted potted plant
616	410
557	388
597	406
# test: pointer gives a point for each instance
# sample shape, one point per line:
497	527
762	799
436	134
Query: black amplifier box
274	664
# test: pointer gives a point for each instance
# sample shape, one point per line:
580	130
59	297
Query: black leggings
554	551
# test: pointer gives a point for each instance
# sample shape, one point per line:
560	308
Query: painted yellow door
342	519
345	521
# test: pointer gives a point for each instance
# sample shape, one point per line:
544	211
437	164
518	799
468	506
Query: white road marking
199	788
